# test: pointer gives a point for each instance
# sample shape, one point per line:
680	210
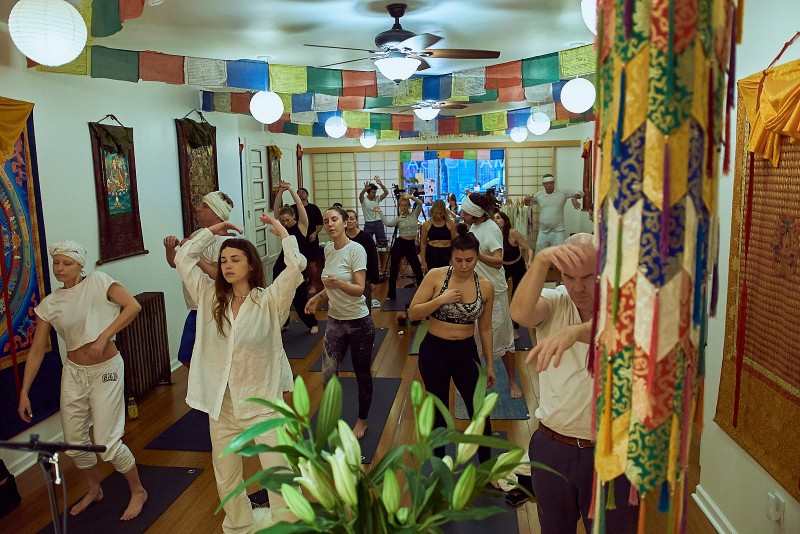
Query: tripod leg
47	469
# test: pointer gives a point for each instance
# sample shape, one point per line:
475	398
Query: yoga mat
505	522
404	296
298	342
419	335
347	364
189	433
384	391
524	342
163	484
506	407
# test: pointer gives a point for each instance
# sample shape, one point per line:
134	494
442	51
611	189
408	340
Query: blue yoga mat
189	433
506	407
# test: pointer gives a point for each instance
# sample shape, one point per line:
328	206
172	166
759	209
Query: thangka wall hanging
274	155
662	96
117	196
759	392
24	275
197	162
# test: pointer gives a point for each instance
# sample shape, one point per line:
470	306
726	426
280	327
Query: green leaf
445	411
239	488
480	389
249	451
330	411
256	430
287	528
444	475
389	461
283	410
477	513
484	441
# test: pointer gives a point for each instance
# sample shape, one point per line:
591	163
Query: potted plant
409	490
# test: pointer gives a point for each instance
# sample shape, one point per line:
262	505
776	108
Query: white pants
94	395
502	328
228	468
549	239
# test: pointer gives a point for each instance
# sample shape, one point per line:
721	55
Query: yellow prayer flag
409	93
287	102
390	134
577	61
287	79
306	130
356	119
495	121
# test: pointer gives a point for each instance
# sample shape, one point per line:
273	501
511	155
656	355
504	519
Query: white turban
548	179
71	249
218	205
472	208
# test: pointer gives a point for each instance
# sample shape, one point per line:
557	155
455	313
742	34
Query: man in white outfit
551	212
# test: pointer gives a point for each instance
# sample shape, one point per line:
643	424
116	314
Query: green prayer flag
115	64
306	130
540	69
405	156
379	102
286	98
324	81
470	124
105	18
489	96
471	154
380	121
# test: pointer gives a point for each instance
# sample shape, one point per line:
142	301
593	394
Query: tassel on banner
640	527
599	523
633	496
726	160
710	134
611	503
663	498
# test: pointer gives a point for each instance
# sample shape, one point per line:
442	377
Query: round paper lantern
589	13
538	123
50	32
519	134
266	107
335	127
368	139
578	95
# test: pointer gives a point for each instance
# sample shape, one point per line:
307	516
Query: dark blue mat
298	342
524	342
189	433
404	296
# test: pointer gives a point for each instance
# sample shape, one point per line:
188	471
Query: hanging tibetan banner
197	164
116	192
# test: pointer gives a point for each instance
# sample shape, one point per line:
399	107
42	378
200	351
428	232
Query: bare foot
135	505
516	393
92	496
314	330
360	428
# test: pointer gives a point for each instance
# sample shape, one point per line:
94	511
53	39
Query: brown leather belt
578	442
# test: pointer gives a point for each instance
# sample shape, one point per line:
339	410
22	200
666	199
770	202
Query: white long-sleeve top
250	360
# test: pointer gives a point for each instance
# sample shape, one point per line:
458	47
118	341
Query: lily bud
426	417
416	393
402	514
350	444
448	461
465	451
298	504
282	437
488	405
302	404
391	492
343	478
506	461
317	485
463	490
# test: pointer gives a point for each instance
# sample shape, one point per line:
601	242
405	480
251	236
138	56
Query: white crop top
81	313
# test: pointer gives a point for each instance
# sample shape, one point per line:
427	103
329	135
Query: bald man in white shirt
551	212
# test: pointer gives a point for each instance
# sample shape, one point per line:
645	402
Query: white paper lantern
368	139
519	134
589	13
50	32
578	95
538	123
335	127
266	107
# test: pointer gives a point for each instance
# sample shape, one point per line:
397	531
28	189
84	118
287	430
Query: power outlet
776	508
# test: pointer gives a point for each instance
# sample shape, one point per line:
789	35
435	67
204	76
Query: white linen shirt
250	360
490	238
551	208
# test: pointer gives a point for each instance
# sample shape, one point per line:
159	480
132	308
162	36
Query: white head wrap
548	179
472	208
71	249
217	203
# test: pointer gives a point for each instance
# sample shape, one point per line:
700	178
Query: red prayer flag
351	102
403	123
277	126
456	154
130	9
511	94
31	63
158	67
449	126
240	102
504	75
359	83
562	113
353	133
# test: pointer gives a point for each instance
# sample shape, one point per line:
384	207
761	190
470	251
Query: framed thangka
116	192
197	160
24	276
274	155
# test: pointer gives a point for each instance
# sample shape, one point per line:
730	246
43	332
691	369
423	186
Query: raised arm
283	287
187	258
380	183
171	243
363	192
278	203
552	348
302	214
393	222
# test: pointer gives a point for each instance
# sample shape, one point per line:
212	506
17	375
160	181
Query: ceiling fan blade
341	48
422	64
420	42
452	105
460	53
343	62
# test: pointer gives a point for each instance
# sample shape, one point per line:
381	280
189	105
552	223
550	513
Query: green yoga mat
419	335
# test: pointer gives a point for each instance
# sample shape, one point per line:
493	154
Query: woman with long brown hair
435	238
239	352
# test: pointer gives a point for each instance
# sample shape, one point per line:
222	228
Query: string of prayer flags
577	61
539	93
359	83
470	124
380	121
469	82
494	121
222	102
432	88
240	102
248	74
323	81
540	69
303	102
390	134
287	102
504	75
304	117
105	18
288	78
511	94
403	123
158	67
115	64
517	117
356	119
306	130
379	102
206	72
325	103
449	126
351	102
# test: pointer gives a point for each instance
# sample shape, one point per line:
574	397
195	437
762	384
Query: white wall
732	485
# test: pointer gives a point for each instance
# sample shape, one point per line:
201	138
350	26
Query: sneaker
376	303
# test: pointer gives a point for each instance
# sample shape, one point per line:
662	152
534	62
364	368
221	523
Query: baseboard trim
712	511
28	460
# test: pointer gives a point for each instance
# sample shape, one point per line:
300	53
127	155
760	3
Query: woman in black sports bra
455	298
435	238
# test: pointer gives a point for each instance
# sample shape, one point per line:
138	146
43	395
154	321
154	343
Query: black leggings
403	248
443	359
437	256
359	336
299	301
515	271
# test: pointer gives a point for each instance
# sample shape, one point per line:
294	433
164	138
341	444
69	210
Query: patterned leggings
358	335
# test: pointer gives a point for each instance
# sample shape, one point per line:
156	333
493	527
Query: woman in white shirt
239	352
405	246
349	321
87	312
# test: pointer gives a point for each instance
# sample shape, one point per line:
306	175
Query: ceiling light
589	13
578	95
368	139
538	123
50	32
266	107
397	67
519	134
335	127
426	113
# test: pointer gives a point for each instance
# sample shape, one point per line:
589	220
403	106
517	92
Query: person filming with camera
369	200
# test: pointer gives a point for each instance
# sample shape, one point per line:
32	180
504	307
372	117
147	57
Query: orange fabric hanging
13	115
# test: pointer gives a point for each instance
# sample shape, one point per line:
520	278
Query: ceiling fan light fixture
538	123
368	139
426	113
397	67
519	134
578	95
50	32
266	107
335	127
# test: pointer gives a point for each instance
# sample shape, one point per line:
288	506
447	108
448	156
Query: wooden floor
193	511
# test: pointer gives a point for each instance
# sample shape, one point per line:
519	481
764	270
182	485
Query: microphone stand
48	460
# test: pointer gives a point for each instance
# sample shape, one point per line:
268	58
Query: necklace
238	297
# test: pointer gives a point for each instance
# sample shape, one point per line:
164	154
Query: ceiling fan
424	109
400	53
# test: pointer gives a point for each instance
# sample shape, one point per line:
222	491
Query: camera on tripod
397	191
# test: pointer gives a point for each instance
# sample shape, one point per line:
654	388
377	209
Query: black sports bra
459	312
439	233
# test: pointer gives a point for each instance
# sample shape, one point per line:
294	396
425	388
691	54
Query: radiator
144	346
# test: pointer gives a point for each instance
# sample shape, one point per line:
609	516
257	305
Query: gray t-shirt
366	208
551	209
342	264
